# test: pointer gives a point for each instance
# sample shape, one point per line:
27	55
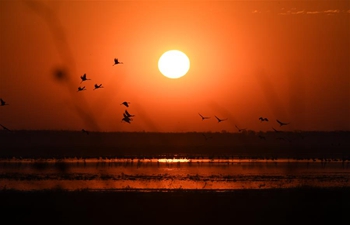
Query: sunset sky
286	60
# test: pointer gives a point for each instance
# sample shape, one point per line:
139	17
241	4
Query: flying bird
239	129
126	118
125	103
98	86
204	117
128	114
220	120
116	61
281	123
83	78
81	88
2	102
263	119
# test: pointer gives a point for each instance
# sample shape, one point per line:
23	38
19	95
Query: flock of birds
127	117
96	86
240	130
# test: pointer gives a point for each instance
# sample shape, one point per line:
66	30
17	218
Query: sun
174	64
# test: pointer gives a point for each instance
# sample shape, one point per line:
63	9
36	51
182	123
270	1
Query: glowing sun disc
174	64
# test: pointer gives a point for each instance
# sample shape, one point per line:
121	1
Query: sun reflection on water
174	160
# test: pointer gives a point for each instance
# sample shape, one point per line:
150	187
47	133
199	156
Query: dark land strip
271	206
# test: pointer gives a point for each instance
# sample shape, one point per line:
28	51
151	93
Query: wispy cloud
289	12
294	11
299	12
313	12
332	11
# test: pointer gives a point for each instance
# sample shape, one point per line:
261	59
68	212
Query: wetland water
170	174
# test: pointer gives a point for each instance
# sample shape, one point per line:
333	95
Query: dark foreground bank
270	206
70	144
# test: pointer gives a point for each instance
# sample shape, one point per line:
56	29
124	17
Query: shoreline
192	145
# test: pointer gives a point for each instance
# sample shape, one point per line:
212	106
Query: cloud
298	12
294	11
331	11
313	12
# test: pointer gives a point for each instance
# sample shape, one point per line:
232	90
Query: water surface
171	174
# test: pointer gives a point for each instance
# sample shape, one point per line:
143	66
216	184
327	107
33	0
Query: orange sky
286	60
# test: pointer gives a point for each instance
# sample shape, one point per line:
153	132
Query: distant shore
272	145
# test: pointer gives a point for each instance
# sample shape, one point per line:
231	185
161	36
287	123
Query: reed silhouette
63	74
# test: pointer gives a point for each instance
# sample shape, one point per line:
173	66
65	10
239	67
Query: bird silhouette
125	103
83	78
204	117
2	102
116	61
81	88
263	119
128	114
5	128
126	118
239	129
281	123
98	86
220	120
